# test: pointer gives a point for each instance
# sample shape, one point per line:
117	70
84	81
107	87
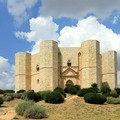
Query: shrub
94	98
1	91
60	90
31	95
67	89
95	87
17	95
42	94
77	87
112	100
21	107
1	101
105	89
83	91
114	94
8	97
9	91
21	91
54	97
117	90
35	112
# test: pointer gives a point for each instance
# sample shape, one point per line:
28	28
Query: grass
74	108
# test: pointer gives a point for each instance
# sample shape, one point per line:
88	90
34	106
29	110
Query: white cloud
116	19
78	8
19	9
6	74
40	29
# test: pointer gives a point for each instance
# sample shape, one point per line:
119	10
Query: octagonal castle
57	66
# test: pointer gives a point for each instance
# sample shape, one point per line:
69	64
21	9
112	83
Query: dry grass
74	108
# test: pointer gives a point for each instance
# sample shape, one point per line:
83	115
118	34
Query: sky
25	23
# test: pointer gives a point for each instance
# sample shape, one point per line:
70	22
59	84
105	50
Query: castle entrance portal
69	83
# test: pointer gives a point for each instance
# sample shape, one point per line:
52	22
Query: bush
60	90
31	95
117	90
114	94
94	98
112	100
42	94
83	91
35	112
17	95
77	87
9	91
21	107
8	97
1	91
1	101
21	91
95	87
105	89
54	97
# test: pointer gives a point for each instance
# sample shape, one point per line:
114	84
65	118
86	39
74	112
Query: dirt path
7	113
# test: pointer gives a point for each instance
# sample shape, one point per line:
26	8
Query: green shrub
8	97
114	94
1	91
83	91
105	89
31	95
21	107
117	90
9	91
112	100
94	98
43	93
77	87
1	101
95	87
54	97
60	90
21	91
17	95
35	112
66	89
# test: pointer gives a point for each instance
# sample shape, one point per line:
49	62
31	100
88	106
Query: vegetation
1	101
60	90
54	97
112	100
84	91
117	90
42	94
21	107
105	89
35	112
8	97
21	91
94	98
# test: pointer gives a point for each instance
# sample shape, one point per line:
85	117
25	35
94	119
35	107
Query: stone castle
57	66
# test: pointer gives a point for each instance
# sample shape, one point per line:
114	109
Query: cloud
116	19
78	8
19	9
6	74
40	29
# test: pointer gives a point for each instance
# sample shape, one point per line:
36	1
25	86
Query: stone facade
57	66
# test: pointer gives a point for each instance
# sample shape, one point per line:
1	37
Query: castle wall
22	71
109	69
48	65
90	66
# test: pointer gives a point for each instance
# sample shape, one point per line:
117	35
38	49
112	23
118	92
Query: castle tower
90	63
109	69
49	64
22	71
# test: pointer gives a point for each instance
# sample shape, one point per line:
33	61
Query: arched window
37	68
69	83
69	63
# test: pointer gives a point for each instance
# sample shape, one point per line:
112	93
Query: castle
57	66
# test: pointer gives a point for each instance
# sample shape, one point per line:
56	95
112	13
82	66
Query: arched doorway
69	83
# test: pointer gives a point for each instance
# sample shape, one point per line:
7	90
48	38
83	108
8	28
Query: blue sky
24	23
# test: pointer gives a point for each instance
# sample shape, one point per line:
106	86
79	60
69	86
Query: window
37	81
69	63
37	68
